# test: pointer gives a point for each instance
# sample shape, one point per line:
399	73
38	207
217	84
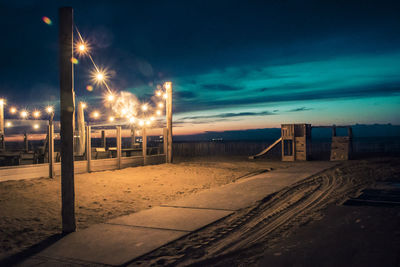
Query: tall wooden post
103	138
66	22
26	142
119	146
144	145
168	87
88	148
165	142
2	141
51	150
133	137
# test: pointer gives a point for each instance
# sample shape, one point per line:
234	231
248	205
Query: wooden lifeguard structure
296	143
342	146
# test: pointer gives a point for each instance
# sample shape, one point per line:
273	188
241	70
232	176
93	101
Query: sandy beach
30	210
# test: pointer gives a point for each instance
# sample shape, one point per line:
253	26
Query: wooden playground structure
296	143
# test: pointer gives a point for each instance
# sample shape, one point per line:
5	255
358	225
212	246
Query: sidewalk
121	240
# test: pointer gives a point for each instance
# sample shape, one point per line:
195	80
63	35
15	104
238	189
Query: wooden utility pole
67	106
168	87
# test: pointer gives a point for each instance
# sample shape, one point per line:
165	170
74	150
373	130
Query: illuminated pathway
121	240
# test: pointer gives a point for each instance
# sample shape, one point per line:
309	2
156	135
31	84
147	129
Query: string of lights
124	106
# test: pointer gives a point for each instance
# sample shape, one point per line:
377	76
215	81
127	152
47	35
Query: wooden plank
132	162
24	172
67	106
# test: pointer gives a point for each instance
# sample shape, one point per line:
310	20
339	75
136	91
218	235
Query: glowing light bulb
145	107
152	118
36	114
100	76
148	122
165	96
167	85
132	119
36	126
8	124
24	114
111	119
81	48
49	109
2	101
160	105
124	111
83	105
141	122
110	97
158	112
96	114
158	93
13	110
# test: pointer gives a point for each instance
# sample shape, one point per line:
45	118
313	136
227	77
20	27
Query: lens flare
167	85
145	107
36	114
24	114
89	88
99	76
74	61
110	98
95	114
47	20
13	110
82	48
132	119
49	109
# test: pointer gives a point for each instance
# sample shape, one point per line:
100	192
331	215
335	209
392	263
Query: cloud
185	94
300	109
229	115
220	87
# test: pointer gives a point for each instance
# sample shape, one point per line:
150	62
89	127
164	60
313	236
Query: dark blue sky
234	64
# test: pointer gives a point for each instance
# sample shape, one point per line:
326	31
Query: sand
30	210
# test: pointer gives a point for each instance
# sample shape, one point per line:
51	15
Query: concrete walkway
121	240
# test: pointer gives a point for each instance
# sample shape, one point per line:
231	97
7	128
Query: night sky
233	64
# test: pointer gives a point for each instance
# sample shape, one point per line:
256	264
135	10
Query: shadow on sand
29	252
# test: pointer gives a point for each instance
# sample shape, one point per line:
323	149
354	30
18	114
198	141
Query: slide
266	150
